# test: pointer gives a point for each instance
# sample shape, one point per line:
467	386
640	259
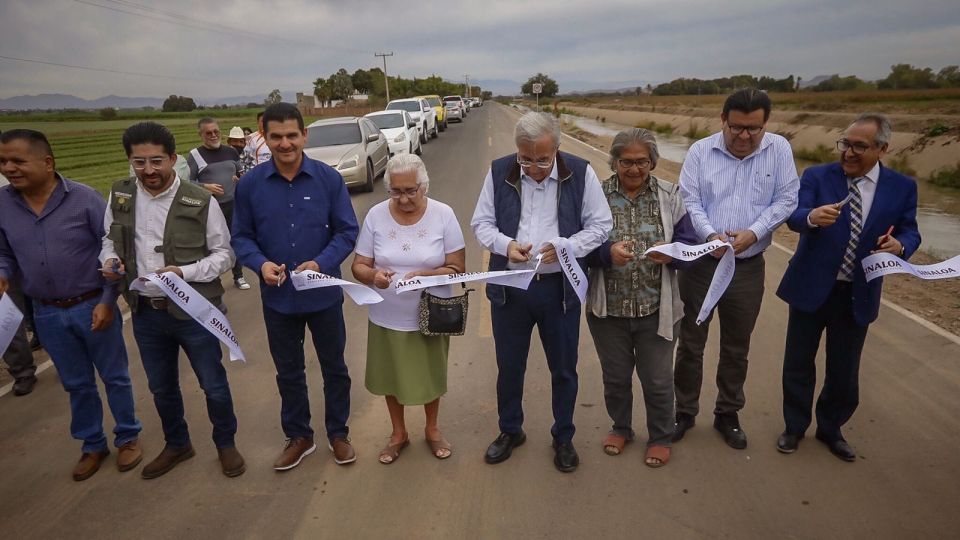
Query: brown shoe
89	464
342	450
294	452
167	460
129	455
231	461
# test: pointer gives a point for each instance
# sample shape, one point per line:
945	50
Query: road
907	431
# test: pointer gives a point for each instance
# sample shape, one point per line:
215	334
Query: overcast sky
206	48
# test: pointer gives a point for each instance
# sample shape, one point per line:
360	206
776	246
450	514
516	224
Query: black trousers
841	389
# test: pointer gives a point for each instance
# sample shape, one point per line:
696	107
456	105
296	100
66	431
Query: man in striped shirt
738	185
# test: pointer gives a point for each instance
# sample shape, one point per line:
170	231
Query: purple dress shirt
56	252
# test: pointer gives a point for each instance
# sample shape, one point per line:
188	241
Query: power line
179	19
117	71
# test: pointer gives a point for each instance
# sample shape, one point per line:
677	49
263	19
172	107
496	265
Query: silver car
353	146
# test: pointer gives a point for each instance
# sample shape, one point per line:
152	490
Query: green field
90	151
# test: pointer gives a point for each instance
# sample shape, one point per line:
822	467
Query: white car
454	111
400	130
421	111
464	108
353	146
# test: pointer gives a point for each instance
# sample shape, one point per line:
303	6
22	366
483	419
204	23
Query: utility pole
386	80
466	85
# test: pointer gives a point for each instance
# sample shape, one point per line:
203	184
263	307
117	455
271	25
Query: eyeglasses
752	130
630	163
140	164
397	193
857	148
540	163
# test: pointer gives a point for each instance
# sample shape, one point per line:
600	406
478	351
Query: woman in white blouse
407	235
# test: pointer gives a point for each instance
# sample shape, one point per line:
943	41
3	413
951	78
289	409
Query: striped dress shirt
724	193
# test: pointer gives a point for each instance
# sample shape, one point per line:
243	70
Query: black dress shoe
565	459
729	426
500	449
683	423
839	448
24	385
788	442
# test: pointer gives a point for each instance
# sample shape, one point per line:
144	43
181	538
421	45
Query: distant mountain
504	87
67	101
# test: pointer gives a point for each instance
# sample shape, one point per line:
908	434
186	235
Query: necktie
856	227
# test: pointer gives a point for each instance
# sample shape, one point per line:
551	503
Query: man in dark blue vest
528	199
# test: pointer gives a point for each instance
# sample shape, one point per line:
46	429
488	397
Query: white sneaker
241	284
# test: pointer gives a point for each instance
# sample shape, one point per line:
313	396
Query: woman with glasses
633	303
405	236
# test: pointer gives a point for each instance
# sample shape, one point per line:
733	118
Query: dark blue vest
505	171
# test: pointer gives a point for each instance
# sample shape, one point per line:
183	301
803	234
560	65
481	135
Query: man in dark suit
846	211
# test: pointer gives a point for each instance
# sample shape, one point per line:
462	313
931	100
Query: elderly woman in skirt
407	235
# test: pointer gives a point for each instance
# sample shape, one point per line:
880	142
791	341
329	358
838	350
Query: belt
70	302
154	302
544	277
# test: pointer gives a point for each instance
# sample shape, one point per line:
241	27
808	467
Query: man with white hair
528	199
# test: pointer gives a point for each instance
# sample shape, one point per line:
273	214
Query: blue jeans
77	351
160	336
285	334
541	305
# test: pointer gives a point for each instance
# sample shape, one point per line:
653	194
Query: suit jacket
813	270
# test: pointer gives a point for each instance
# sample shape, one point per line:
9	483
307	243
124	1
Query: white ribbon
311	279
570	266
881	264
194	304
519	279
10	318
721	277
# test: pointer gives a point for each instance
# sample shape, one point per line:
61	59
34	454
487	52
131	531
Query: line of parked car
359	147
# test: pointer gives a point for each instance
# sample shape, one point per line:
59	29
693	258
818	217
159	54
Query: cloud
248	47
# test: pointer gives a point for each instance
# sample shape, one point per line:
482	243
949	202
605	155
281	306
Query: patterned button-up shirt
633	290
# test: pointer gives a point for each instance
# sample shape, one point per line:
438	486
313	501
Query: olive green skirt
408	365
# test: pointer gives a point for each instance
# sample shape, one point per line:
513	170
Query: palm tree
322	89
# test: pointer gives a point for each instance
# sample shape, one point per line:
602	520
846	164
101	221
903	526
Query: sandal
657	456
613	444
440	449
391	452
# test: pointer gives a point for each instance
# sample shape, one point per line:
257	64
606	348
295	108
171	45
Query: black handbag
443	316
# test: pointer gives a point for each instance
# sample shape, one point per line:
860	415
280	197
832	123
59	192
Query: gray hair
206	120
534	125
629	136
884	130
405	163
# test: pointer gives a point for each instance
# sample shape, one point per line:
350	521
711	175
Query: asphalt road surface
907	433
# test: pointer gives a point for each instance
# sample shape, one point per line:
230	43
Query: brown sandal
657	456
613	444
437	448
391	452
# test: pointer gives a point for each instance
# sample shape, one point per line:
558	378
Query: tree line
901	77
341	85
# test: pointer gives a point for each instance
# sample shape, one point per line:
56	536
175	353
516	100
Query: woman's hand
382	278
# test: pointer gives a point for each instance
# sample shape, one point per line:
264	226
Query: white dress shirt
539	218
867	185
151	219
724	193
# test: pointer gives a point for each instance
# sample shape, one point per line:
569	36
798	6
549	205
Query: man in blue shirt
50	230
294	213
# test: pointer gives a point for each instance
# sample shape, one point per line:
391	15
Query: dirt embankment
807	131
935	301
